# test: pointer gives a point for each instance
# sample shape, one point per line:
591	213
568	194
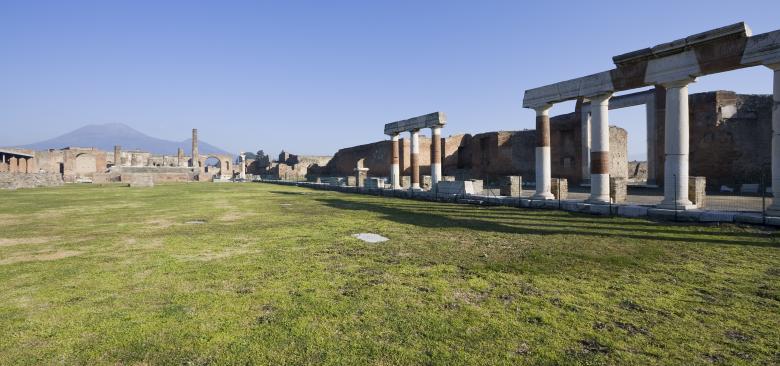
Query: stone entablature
417	123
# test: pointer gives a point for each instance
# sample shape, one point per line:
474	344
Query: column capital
678	83
543	110
599	98
395	137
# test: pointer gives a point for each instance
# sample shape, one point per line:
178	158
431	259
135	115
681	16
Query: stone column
543	167
652	139
415	158
585	127
195	155
180	157
435	155
676	141
242	166
774	208
3	167
395	169
13	165
599	156
117	155
30	165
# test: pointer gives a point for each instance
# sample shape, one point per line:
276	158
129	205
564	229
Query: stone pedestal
697	190
478	185
448	178
360	176
406	182
618	189
560	188
351	181
427	182
511	186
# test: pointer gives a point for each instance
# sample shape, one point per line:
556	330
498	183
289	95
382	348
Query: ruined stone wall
29	180
730	138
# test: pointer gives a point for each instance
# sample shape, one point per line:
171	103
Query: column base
599	200
680	205
543	196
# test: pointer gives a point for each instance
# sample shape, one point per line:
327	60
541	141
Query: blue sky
313	76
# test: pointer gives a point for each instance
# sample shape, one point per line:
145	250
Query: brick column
395	169
3	166
676	146
195	154
543	166
599	155
13	165
117	155
774	208
415	158
31	165
435	155
180	157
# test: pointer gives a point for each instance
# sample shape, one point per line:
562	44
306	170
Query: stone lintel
595	84
627	100
679	66
416	123
762	49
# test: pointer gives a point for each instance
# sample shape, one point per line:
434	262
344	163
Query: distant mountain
105	136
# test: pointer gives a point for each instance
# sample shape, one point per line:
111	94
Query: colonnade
435	121
414	158
17	164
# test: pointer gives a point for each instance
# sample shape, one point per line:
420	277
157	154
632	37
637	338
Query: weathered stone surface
696	190
455	188
416	123
29	180
560	188
618	189
139	180
511	186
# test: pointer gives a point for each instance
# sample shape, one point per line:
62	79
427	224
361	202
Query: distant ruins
19	168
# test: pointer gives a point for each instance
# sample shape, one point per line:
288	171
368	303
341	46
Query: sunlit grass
107	275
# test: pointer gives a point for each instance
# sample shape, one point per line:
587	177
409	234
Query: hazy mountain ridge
105	136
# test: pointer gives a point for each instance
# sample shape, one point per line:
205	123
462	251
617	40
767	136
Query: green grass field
117	275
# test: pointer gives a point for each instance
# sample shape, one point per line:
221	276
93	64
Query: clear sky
314	76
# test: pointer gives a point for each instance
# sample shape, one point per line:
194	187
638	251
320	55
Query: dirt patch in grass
147	243
7	242
159	223
235	215
40	256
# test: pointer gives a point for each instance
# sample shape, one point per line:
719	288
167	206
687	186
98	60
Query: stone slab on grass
370	237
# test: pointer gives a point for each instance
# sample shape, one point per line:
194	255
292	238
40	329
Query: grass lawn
116	275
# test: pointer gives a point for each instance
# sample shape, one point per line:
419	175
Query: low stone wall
29	180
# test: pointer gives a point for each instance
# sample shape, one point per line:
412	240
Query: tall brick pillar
195	155
180	157
117	155
13	165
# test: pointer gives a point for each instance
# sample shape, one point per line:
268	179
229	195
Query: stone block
697	190
632	211
618	189
511	186
100	178
406	182
351	181
478	185
425	182
374	183
140	180
448	178
455	188
560	188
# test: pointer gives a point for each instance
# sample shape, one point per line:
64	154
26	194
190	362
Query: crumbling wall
29	180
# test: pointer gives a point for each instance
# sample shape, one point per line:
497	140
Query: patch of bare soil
39	256
7	242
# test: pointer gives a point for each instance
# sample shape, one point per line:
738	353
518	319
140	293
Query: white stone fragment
370	237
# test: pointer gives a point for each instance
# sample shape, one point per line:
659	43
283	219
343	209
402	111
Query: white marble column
774	208
543	167
652	139
676	141
435	155
395	168
415	158
599	159
585	128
